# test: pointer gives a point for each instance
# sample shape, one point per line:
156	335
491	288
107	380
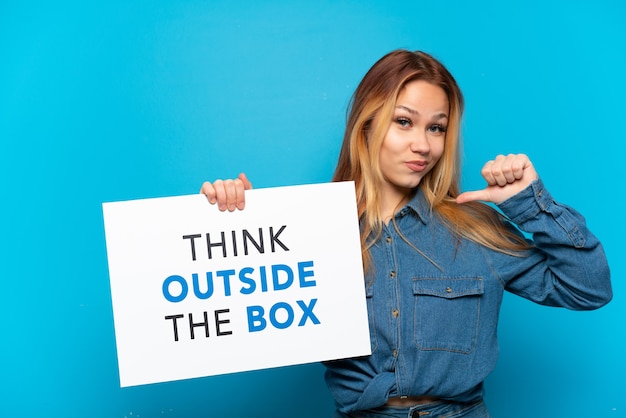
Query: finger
513	167
230	189
473	196
500	169
246	183
209	191
240	197
487	173
508	169
220	194
519	165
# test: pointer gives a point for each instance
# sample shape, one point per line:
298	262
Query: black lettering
193	244
274	238
193	325
246	236
234	235
174	318
219	322
217	244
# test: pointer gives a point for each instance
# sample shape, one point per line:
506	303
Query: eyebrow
415	112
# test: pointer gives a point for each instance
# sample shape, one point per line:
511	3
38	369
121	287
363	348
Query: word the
204	324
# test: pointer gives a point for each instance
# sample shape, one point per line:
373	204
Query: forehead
422	96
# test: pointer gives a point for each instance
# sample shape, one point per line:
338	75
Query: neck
390	204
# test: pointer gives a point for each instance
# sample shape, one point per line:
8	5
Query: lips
417	166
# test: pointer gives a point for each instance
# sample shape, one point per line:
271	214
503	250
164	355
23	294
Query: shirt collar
418	205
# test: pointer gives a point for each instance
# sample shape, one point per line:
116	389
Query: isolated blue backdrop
105	101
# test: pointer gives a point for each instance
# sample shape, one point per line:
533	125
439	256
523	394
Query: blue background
116	100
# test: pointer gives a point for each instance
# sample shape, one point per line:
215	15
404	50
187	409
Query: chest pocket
446	313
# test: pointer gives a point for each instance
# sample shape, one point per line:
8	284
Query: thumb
473	196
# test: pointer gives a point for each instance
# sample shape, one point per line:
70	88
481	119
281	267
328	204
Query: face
415	140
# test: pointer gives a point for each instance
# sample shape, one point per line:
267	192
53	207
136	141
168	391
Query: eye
404	122
437	129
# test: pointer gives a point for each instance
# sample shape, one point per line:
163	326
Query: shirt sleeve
566	266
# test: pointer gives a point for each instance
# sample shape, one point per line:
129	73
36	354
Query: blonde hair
369	116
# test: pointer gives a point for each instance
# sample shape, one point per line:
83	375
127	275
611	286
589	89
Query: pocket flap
447	287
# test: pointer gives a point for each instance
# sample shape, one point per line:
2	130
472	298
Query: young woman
436	260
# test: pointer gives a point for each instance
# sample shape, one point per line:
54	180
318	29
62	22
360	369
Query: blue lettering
274	320
256	322
303	274
226	275
183	291
196	286
263	279
307	312
247	280
282	278
276	268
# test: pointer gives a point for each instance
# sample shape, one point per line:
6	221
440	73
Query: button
392	274
388	240
395	352
448	289
395	313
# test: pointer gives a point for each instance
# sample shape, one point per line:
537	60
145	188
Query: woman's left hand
506	176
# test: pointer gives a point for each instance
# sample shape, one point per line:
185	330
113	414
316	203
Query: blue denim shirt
433	328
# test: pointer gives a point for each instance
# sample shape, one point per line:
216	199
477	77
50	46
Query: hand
506	176
228	194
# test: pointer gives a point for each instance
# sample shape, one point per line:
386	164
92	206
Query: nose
419	142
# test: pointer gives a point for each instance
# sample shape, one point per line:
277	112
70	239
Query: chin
408	188
412	185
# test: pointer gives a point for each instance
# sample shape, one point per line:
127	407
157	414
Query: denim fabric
430	410
433	314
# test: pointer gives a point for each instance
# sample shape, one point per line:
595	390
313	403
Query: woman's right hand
228	194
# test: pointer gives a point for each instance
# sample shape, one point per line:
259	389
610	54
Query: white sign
199	292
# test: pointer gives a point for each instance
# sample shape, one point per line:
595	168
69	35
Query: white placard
198	292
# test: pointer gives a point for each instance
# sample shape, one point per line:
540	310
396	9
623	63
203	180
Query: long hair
370	115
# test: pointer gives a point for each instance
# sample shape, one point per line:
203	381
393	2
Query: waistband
476	409
408	401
